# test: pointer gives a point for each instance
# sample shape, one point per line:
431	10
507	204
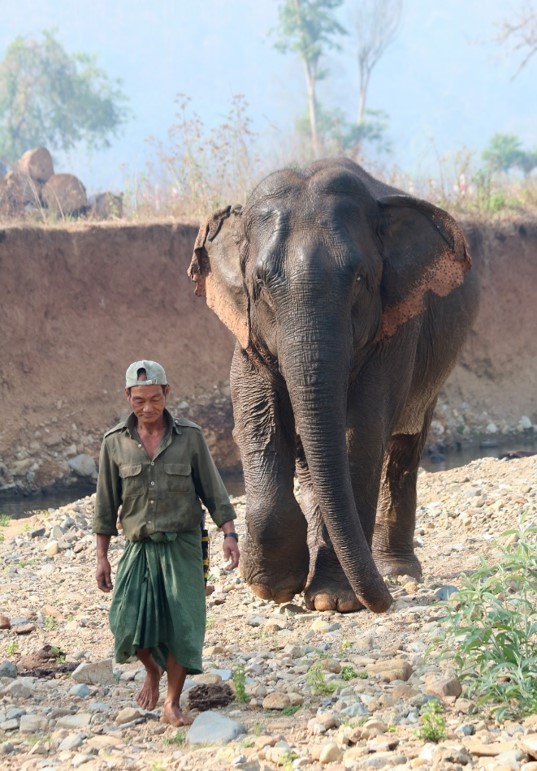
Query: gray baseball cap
154	372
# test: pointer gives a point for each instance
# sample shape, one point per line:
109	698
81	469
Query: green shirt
161	494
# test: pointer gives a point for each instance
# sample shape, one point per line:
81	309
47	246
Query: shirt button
139	445
151	501
152	484
152	462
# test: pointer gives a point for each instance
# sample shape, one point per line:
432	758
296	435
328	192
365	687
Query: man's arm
107	501
212	492
103	574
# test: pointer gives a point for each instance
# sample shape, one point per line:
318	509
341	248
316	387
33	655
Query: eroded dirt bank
79	303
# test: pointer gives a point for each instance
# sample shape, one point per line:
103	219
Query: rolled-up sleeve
108	496
208	483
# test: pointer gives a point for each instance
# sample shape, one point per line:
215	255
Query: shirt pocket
131	479
178	478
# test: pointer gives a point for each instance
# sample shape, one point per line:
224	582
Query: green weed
348	673
290	710
490	628
316	679
432	723
50	623
239	681
177	739
4	520
12	647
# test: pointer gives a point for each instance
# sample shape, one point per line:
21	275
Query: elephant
349	301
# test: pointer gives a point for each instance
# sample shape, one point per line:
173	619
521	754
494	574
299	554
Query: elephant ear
216	271
424	252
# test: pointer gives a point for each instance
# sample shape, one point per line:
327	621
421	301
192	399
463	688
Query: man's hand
103	574
231	553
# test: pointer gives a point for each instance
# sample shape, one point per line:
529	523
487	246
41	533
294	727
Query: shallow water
20	507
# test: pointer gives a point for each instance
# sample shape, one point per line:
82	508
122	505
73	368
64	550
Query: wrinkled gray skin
349	301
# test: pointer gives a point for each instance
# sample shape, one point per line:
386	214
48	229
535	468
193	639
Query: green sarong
159	600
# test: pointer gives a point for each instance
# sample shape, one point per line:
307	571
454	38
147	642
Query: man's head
146	388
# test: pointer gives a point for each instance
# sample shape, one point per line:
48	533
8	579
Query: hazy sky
444	83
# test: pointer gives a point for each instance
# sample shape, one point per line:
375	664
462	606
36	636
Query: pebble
375	671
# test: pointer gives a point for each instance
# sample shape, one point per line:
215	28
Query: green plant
50	623
432	723
59	655
348	673
177	739
12	647
290	710
239	681
5	519
316	679
490	628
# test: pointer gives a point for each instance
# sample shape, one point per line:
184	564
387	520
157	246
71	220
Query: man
153	471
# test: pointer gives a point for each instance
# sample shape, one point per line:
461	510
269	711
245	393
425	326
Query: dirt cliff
80	302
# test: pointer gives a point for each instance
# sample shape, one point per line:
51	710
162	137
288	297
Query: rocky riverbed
312	690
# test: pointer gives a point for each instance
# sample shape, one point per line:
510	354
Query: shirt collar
131	423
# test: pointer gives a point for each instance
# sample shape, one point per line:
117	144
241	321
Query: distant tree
520	34
309	28
375	24
49	97
505	152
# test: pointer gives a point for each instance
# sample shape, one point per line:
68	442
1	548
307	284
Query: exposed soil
79	303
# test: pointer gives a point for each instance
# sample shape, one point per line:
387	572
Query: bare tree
520	34
374	24
309	28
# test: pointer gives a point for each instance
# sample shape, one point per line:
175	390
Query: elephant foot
330	594
277	594
398	566
276	578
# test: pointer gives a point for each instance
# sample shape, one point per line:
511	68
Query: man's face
148	402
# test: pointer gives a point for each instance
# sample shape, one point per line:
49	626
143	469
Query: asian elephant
349	301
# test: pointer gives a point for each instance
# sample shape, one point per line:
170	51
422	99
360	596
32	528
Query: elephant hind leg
393	537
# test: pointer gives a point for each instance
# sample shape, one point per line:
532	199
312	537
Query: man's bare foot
149	695
172	715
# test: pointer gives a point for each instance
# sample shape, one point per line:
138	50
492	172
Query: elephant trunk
319	400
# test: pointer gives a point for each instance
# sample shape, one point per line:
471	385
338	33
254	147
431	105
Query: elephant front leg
393	540
274	554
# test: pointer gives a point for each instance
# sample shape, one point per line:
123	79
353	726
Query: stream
19	507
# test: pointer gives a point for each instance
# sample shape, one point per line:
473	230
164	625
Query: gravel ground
313	690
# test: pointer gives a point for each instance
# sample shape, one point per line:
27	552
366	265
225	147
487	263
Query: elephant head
318	275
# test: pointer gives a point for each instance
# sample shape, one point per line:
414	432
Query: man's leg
171	711
148	696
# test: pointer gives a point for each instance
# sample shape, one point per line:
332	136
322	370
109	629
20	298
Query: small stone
95	673
52	548
72	742
80	690
388	671
127	715
5	622
276	700
444	687
8	669
24	628
31	724
330	753
80	720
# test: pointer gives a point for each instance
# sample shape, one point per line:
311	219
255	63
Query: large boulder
65	194
18	191
35	164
